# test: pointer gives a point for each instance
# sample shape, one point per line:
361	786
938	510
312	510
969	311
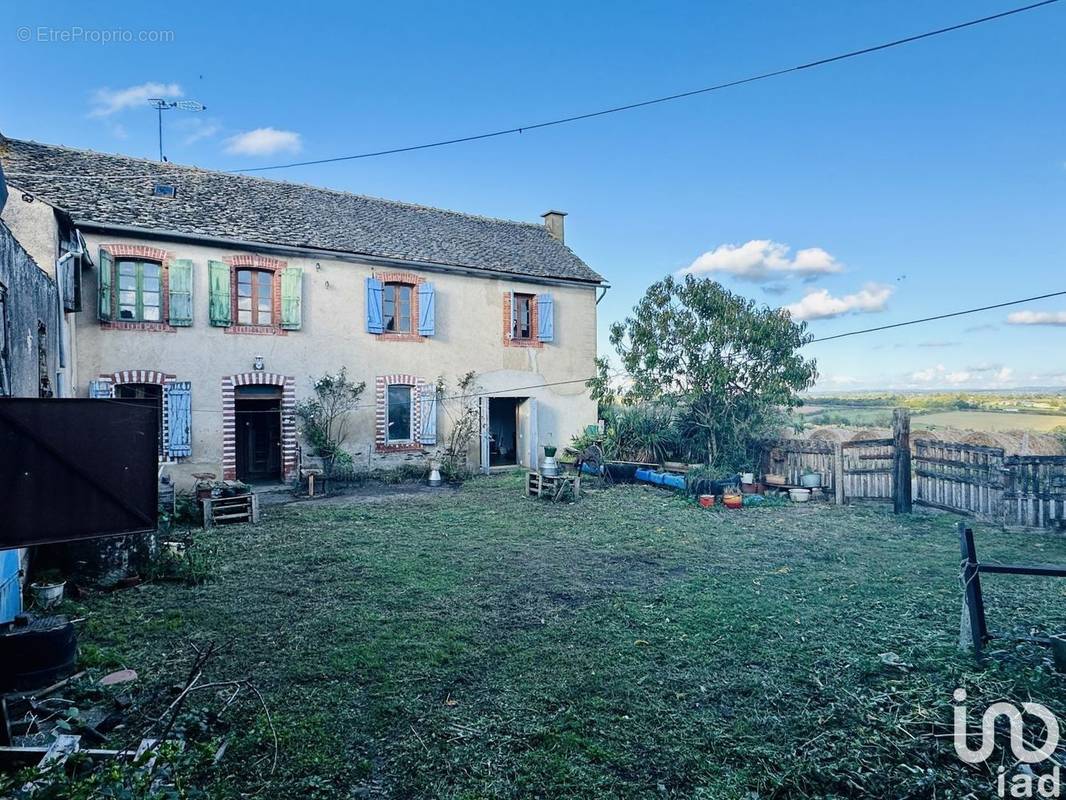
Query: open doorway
257	410
503	431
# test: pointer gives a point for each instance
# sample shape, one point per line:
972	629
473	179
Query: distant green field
843	415
991	421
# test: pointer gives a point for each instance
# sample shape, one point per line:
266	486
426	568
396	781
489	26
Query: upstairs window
139	290
396	307
398	417
523	316
255	297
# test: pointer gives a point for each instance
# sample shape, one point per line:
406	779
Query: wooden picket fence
1034	495
867	469
964	478
1021	492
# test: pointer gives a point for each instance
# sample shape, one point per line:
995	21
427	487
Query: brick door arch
229	419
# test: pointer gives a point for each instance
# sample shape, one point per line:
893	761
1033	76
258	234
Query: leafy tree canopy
724	361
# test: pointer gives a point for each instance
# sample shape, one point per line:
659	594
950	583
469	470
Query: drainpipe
603	293
62	328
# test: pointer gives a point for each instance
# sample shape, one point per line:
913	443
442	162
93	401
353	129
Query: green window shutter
107	271
218	277
291	297
181	292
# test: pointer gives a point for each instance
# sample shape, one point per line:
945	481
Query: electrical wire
623	374
938	316
591	114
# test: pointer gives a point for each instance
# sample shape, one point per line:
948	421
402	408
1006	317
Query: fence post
972	628
901	472
838	473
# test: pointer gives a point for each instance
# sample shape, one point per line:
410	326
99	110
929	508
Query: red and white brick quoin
288	419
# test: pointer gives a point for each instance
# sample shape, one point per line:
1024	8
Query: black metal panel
74	469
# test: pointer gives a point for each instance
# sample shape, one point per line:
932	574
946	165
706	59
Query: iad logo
1023	784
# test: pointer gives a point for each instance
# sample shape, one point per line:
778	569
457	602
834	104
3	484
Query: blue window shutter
514	319
545	317
375	298
179	418
427	410
427	310
101	390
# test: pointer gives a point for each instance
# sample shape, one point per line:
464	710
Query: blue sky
924	179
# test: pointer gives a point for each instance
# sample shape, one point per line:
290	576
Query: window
144	391
139	290
399	414
396	307
255	297
523	316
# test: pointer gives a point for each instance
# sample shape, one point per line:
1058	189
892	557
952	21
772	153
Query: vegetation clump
325	414
713	367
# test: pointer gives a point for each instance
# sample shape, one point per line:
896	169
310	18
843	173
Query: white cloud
110	101
198	129
981	375
264	142
763	260
940	374
1037	318
820	304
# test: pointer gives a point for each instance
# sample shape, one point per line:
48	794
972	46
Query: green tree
728	365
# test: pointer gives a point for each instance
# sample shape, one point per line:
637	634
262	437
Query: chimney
553	221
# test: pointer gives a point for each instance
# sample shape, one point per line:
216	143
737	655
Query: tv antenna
161	105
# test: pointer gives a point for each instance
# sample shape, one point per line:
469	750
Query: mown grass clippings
475	644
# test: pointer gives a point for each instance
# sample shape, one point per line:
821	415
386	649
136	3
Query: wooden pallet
229	510
553	486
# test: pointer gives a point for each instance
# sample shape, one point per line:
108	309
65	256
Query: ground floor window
399	414
144	391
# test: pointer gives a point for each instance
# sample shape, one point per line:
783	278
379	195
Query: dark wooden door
258	440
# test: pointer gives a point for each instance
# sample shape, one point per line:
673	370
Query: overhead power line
938	316
602	112
658	100
623	373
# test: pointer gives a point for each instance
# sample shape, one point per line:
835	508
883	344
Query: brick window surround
288	420
272	265
534	321
381	412
414	281
144	253
146	376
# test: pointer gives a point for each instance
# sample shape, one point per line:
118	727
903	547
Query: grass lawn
477	644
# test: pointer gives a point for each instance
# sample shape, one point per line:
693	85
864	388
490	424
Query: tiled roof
237	207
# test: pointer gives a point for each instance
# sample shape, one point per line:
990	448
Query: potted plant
47	590
549	448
